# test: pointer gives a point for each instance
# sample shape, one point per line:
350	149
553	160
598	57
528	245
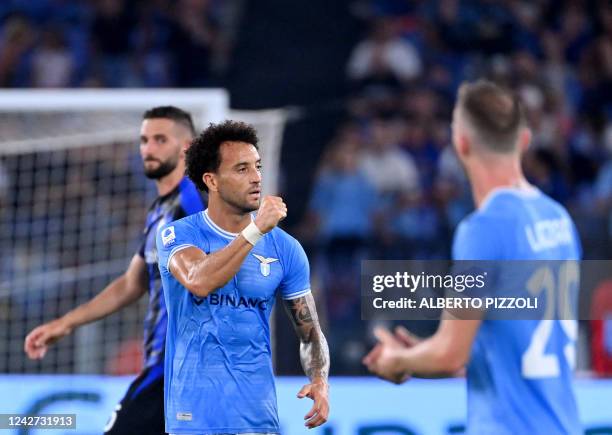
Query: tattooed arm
314	352
314	355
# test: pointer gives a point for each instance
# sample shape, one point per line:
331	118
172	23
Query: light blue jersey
520	372
218	368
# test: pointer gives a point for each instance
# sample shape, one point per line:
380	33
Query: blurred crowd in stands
113	43
390	174
388	185
403	75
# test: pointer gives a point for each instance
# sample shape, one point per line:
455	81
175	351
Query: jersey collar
527	191
216	228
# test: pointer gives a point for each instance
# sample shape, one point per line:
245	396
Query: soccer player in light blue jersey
519	372
221	270
165	134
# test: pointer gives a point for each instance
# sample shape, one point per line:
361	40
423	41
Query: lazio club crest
264	264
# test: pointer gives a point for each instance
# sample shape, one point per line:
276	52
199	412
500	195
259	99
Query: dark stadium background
557	55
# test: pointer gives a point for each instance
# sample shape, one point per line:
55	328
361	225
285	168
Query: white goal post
73	199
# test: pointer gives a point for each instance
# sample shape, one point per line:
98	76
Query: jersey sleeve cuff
175	250
296	295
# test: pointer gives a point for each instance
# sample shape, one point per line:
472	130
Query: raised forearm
202	274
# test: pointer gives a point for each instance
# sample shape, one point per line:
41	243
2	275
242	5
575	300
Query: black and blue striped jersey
182	201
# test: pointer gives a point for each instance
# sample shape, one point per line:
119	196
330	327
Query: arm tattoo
300	312
314	353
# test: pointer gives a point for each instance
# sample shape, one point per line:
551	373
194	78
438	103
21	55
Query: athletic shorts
141	411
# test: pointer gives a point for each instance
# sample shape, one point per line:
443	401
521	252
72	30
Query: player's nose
147	149
255	177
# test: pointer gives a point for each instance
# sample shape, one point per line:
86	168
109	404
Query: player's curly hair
204	154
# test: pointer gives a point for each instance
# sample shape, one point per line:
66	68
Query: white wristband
252	234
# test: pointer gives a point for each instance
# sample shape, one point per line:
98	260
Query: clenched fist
271	211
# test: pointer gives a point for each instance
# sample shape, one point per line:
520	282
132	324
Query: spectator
603	188
525	32
413	229
575	31
343	200
151	40
16	42
542	169
194	37
451	189
52	64
419	143
340	220
384	164
384	58
111	32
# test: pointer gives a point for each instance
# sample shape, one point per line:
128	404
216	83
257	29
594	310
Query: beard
162	170
239	203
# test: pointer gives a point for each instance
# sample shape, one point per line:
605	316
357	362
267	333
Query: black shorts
141	411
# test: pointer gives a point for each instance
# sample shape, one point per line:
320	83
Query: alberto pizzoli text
458	283
457	303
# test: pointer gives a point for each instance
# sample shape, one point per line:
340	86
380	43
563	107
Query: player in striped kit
165	134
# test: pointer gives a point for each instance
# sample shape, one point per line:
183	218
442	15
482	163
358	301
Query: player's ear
211	181
183	151
186	144
463	145
524	139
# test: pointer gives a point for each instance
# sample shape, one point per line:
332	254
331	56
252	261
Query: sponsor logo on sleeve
168	236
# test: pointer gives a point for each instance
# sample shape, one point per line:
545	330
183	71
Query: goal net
73	199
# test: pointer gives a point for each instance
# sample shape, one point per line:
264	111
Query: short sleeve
296	278
172	238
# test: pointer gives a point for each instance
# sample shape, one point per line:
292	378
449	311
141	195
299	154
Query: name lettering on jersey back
232	301
549	234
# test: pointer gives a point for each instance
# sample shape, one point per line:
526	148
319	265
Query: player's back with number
520	371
